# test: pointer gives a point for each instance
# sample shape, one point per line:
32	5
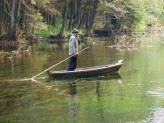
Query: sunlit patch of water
157	81
23	79
153	81
29	79
161	80
158	92
157	116
134	84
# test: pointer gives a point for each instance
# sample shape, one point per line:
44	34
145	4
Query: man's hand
78	37
74	55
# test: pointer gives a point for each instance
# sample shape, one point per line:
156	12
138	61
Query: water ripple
159	92
157	117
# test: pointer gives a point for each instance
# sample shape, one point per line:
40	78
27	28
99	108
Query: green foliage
41	3
38	22
153	10
161	19
49	30
136	14
41	18
33	2
140	26
45	33
133	13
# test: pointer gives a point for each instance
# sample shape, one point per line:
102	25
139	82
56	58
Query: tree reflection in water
73	99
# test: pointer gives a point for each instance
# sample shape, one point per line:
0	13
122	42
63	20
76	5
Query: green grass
50	30
54	30
45	33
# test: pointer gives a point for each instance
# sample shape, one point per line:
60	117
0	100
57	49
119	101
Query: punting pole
57	64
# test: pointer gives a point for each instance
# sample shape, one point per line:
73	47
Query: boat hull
87	72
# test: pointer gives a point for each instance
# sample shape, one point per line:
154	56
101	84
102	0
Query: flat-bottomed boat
88	71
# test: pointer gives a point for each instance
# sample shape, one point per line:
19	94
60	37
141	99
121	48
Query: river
136	95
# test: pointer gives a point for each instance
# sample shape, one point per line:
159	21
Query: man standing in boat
73	50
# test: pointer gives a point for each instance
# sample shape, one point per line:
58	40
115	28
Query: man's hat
75	31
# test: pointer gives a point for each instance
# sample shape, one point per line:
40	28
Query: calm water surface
135	95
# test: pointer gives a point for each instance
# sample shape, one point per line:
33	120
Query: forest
24	19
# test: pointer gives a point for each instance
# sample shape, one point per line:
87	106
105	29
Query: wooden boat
88	71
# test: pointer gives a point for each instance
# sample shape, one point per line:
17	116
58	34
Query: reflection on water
133	95
157	116
73	99
157	92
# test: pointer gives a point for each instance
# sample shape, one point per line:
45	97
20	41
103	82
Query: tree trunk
11	31
87	18
92	17
18	10
53	21
79	11
71	15
1	13
65	11
74	13
82	19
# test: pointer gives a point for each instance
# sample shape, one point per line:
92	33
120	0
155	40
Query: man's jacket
73	45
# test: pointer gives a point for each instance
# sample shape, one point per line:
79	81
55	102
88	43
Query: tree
91	20
65	11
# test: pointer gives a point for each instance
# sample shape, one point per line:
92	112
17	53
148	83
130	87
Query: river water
135	95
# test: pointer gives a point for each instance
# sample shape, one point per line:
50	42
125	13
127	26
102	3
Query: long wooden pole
57	64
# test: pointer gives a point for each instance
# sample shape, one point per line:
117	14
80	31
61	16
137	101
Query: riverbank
121	40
